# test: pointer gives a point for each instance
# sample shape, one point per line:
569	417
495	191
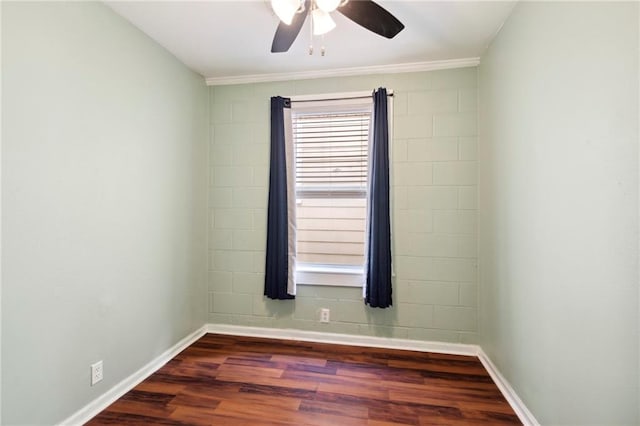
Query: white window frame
324	274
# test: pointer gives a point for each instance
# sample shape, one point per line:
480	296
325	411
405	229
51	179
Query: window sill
330	275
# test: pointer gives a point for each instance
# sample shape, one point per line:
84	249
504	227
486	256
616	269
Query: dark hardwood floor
230	380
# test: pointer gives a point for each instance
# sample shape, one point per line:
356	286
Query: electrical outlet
324	315
96	372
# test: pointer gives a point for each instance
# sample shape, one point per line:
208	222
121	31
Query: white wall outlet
96	372
324	315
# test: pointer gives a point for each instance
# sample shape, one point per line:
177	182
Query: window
331	166
330	179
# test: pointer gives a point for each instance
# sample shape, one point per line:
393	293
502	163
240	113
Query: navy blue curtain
378	263
277	259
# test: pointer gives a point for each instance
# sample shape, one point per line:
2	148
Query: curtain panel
280	267
377	291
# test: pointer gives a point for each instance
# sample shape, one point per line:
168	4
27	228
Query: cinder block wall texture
433	207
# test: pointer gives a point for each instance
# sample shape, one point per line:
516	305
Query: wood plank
267	381
354	390
124	419
240	410
278	391
335	408
197	416
167	388
231	369
197	397
141	408
295	360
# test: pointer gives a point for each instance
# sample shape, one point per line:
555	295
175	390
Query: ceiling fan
292	14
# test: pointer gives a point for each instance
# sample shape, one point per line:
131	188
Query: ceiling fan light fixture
328	5
285	9
322	22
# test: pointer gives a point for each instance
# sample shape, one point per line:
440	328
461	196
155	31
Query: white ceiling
233	38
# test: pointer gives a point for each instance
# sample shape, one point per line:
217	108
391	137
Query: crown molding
345	72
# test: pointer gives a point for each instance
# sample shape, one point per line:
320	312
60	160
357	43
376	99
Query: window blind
331	151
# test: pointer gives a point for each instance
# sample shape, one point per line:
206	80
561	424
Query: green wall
433	202
558	209
104	141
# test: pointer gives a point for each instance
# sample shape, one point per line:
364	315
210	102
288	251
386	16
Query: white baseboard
525	416
97	405
344	339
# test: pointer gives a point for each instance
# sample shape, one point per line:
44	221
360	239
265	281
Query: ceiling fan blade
373	17
286	34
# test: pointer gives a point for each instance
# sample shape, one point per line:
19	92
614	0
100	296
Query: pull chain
323	50
310	16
